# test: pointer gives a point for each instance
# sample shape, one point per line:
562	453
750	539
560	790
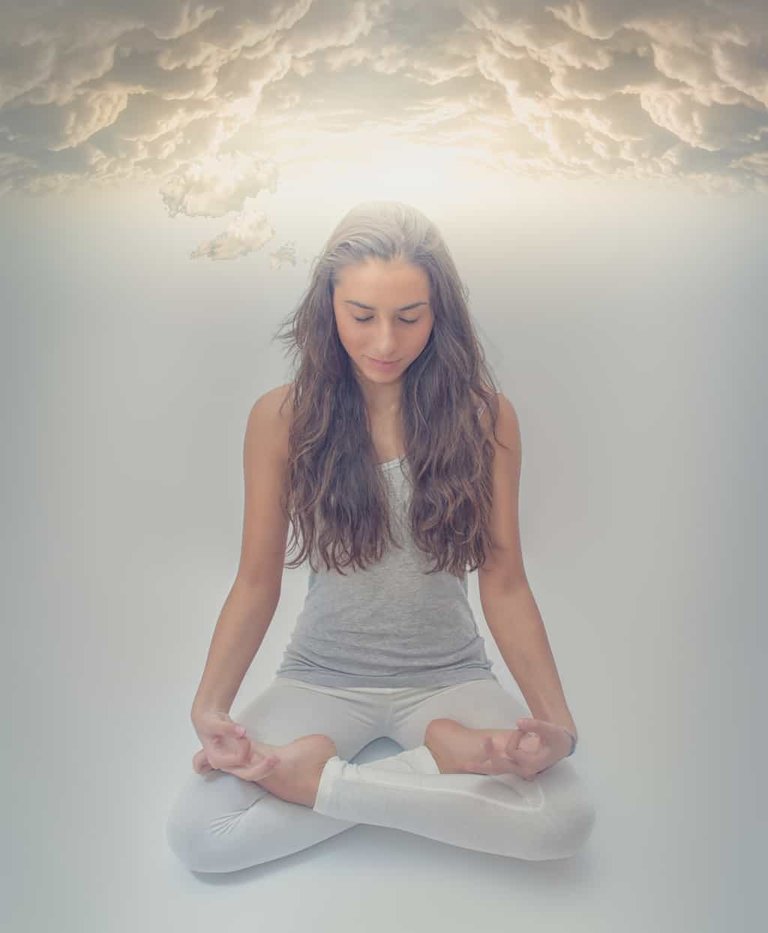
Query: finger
538	726
522	767
508	753
528	765
229	741
200	762
496	760
244	749
221	758
513	743
233	759
531	766
203	765
494	747
500	760
255	771
523	759
265	767
530	742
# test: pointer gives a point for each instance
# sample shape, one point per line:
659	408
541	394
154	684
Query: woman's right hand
225	744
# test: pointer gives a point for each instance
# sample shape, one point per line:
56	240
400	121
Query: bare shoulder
503	567
507	424
265	521
274	412
499	401
283	394
279	398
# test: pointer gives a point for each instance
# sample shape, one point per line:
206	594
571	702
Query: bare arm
254	596
240	630
518	629
505	594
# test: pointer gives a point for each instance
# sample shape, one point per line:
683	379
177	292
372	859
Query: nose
384	344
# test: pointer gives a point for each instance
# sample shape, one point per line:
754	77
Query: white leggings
221	823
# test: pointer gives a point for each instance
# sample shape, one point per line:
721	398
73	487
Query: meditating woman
397	465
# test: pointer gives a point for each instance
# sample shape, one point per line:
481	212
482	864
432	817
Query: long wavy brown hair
336	497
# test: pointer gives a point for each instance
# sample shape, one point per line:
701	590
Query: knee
567	826
199	844
191	843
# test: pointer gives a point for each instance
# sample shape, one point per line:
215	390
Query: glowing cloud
216	185
247	232
212	99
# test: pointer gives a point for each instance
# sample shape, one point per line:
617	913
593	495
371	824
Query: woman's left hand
543	745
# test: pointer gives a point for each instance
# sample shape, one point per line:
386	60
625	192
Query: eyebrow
359	304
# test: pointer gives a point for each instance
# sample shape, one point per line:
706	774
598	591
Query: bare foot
457	748
296	776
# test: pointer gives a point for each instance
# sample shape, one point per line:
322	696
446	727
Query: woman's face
382	313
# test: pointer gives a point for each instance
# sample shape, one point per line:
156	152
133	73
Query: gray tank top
391	625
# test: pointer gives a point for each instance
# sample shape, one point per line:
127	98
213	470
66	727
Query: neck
385	411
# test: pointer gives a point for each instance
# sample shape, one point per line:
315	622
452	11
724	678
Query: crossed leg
549	817
220	823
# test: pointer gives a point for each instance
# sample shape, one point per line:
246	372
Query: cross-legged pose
397	465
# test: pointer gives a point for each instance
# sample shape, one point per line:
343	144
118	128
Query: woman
396	479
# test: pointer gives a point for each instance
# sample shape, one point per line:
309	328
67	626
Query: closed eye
363	319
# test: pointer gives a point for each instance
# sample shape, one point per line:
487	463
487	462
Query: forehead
378	276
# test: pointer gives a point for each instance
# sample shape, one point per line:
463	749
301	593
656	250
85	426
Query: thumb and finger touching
243	760
516	754
225	746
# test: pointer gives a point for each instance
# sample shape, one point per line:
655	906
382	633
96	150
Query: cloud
216	185
283	256
250	230
208	97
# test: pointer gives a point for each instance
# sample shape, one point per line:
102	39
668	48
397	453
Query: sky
220	106
599	171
